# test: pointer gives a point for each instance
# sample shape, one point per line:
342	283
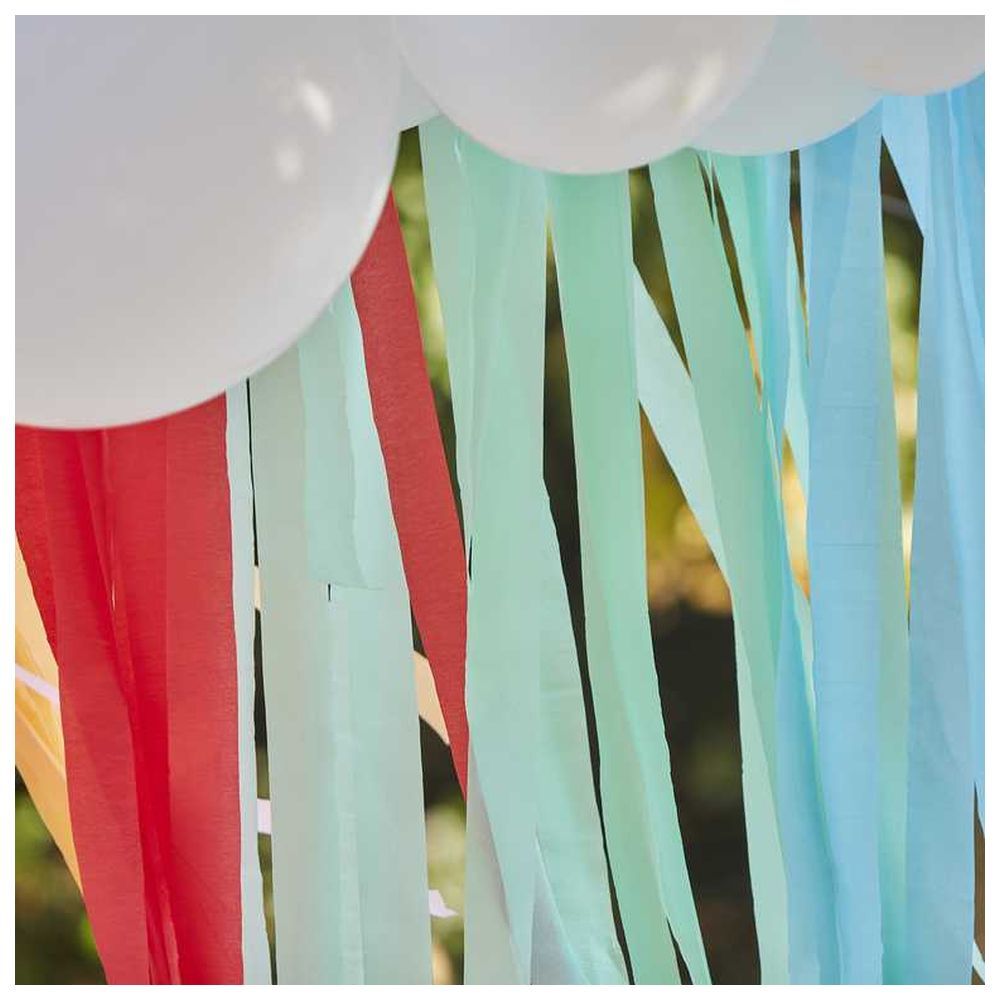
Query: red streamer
423	504
135	586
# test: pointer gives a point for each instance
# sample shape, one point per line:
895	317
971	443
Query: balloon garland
264	176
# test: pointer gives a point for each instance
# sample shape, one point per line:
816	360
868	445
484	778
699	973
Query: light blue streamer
590	225
487	227
765	255
946	616
256	956
855	550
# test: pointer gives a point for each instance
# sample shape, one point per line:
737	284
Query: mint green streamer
855	550
739	461
350	883
256	956
592	240
487	226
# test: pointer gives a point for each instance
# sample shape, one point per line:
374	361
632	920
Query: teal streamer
350	883
256	956
487	227
736	448
591	236
946	613
855	551
767	267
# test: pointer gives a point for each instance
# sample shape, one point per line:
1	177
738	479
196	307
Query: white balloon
797	97
583	94
908	54
190	194
414	107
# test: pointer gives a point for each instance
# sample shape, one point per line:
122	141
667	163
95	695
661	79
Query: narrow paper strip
855	550
256	955
423	504
590	218
487	221
947	594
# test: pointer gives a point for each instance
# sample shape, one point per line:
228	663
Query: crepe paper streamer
329	488
737	453
855	551
351	896
256	953
38	744
590	225
171	522
907	135
769	272
487	225
668	399
55	529
423	505
946	593
427	700
967	105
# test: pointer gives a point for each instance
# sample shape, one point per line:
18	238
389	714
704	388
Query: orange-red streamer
126	535
423	504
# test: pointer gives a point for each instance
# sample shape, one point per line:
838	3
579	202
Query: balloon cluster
191	191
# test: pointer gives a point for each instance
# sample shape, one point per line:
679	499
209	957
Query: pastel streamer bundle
861	713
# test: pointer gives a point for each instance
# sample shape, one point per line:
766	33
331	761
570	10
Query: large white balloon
798	96
583	94
414	107
190	193
908	54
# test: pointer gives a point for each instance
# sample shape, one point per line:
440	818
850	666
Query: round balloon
414	107
798	96
908	54
583	94
190	193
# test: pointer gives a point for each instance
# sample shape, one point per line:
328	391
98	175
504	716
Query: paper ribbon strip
755	192
855	550
423	505
98	512
591	235
947	590
350	883
256	952
487	226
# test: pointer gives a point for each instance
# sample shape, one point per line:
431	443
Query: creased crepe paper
317	925
946	610
349	863
590	220
855	550
54	814
55	529
735	451
487	227
329	486
502	447
375	622
38	742
766	267
423	505
256	954
907	136
169	506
